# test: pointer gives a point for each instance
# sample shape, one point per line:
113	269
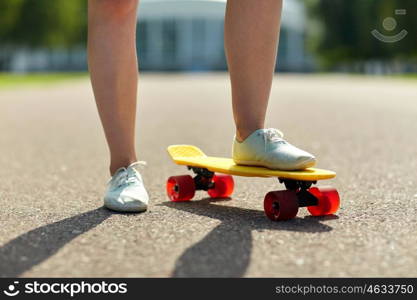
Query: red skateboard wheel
180	188
328	201
281	205
223	186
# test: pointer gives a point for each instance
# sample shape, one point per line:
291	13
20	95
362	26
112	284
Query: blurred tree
42	23
346	25
9	15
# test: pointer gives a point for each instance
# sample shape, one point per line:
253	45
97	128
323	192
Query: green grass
404	76
407	76
31	79
40	79
400	76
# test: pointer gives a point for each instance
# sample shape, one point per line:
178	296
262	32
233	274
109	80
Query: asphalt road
54	169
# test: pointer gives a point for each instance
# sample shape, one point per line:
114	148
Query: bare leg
251	40
114	73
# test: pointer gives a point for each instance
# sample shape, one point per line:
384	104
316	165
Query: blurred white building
188	35
178	35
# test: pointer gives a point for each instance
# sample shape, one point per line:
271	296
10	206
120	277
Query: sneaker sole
260	164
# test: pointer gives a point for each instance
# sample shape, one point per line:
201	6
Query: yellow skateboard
278	205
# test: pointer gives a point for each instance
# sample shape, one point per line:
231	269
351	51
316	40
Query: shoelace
273	135
129	176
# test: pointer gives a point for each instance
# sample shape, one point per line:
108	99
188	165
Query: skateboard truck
305	198
293	185
203	179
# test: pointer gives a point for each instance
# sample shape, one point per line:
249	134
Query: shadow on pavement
35	246
226	250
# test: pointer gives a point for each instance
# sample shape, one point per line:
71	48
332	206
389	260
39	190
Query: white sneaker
125	190
267	148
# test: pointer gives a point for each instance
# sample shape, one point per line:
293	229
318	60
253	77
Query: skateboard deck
194	157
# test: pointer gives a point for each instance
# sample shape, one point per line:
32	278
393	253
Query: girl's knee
114	8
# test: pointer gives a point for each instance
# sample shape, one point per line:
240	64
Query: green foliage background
46	23
345	27
339	30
